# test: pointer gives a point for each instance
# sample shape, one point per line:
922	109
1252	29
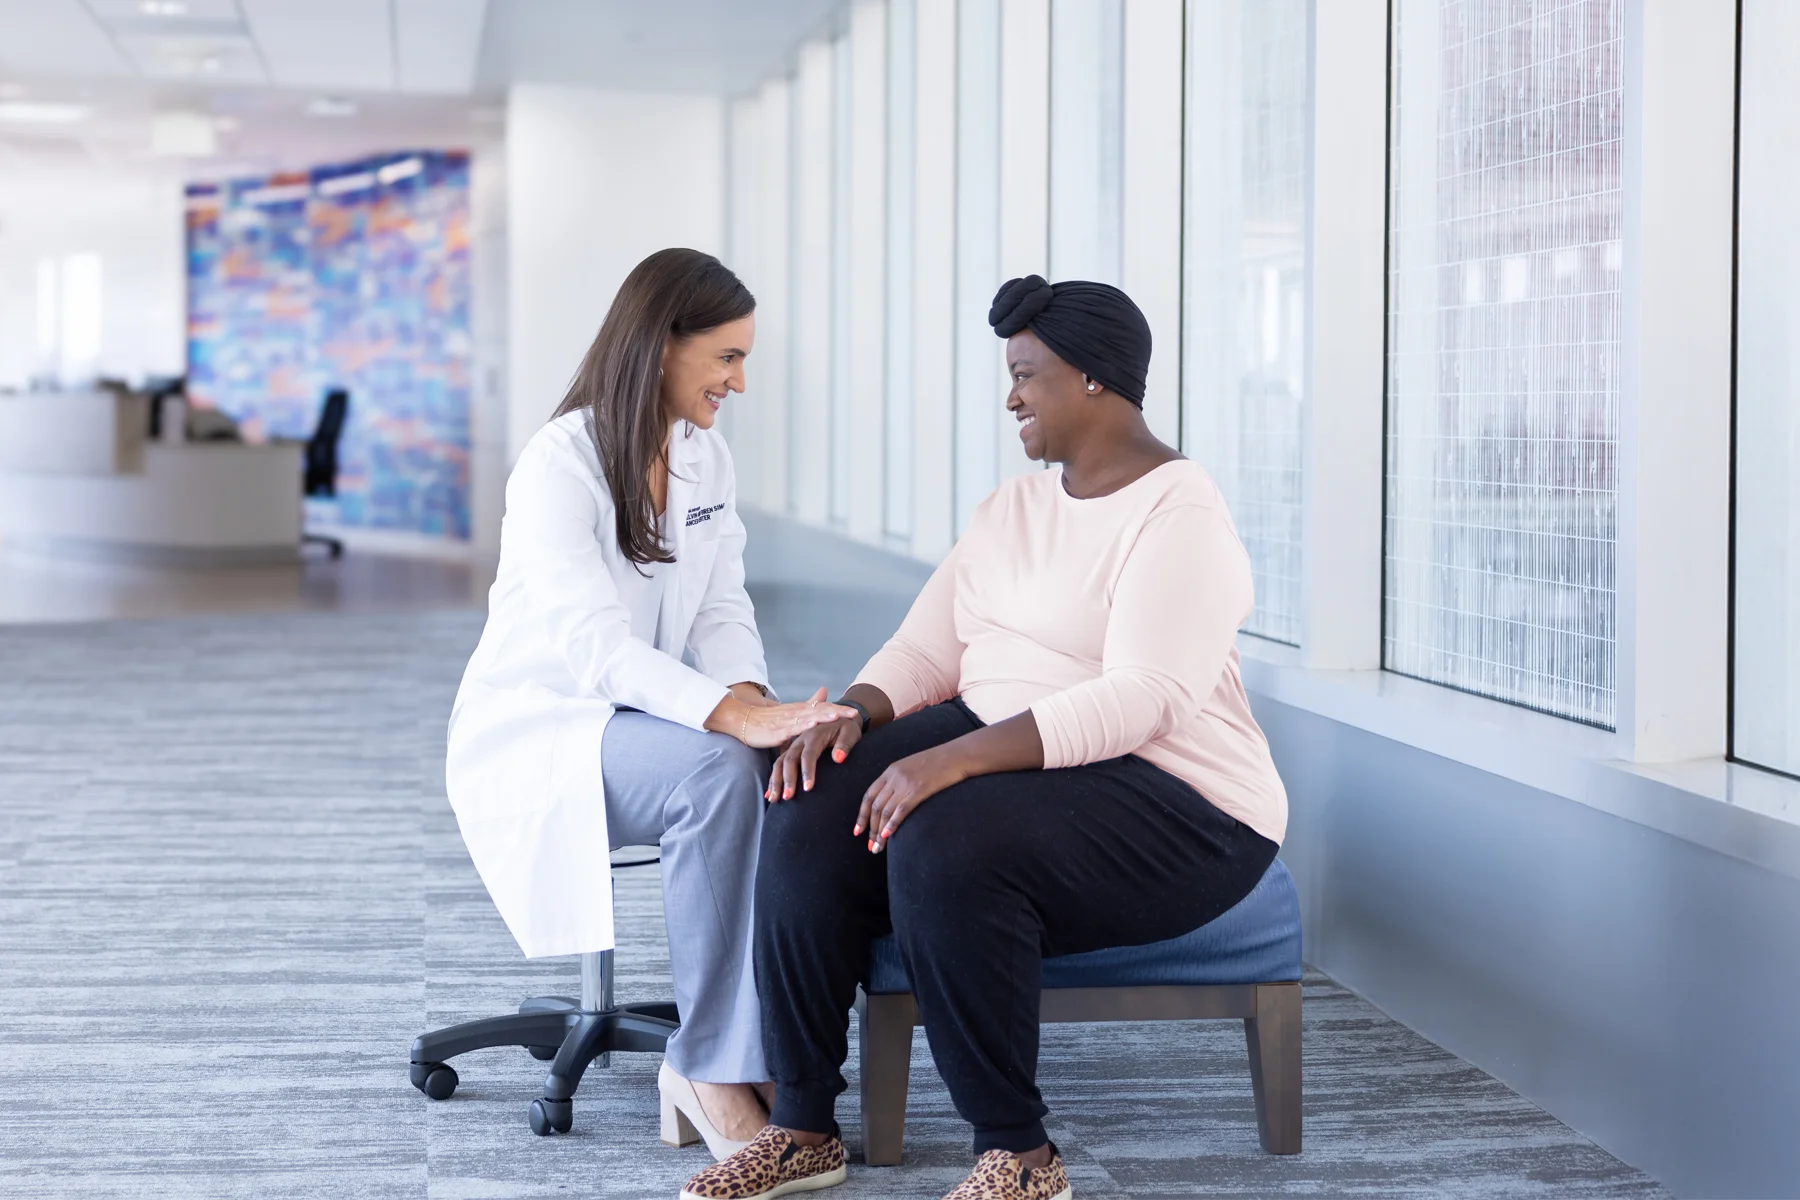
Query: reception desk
78	477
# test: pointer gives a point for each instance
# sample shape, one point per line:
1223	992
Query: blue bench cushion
1255	941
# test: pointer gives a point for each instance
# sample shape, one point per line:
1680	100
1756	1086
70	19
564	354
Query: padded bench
1245	965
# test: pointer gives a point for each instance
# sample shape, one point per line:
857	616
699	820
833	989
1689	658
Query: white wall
595	181
488	416
134	223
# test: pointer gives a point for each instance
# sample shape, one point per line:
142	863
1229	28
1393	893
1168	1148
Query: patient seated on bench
1054	756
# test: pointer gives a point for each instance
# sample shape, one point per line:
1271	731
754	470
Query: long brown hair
672	293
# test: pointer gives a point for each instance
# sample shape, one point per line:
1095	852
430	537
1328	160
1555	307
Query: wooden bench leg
886	1026
1273	1036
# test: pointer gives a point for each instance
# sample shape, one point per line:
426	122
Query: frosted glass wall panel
1024	187
979	376
1503	349
934	208
1244	360
1766	679
743	254
771	392
902	23
812	323
865	348
842	130
1087	137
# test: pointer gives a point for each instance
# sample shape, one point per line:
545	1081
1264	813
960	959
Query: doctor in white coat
579	727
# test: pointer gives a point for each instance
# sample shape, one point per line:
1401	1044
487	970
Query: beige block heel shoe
684	1121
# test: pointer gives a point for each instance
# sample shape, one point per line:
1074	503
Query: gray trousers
699	796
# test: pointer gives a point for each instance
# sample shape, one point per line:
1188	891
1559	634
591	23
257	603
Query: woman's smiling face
1048	397
698	372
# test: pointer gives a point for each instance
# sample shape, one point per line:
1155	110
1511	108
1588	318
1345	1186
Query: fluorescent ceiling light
277	194
42	112
331	106
183	134
406	168
338	185
163	8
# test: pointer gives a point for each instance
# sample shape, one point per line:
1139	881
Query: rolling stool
568	1034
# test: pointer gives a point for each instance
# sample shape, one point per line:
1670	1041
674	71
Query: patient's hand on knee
797	766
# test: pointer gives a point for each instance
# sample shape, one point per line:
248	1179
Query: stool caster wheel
437	1080
551	1116
541	1053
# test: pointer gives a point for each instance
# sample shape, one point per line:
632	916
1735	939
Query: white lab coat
523	768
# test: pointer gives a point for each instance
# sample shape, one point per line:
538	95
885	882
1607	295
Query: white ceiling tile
208	60
721	46
325	43
439	42
56	37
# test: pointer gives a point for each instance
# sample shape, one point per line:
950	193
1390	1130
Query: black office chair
568	1034
320	478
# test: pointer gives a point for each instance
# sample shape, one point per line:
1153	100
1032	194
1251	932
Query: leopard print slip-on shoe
773	1164
999	1175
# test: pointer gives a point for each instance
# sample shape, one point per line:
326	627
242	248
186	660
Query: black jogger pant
980	884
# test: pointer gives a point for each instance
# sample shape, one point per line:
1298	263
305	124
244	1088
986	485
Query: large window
1244	345
1766	681
1503	349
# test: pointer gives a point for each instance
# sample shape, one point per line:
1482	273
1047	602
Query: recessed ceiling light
331	106
163	8
42	112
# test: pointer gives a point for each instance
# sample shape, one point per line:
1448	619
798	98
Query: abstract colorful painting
355	276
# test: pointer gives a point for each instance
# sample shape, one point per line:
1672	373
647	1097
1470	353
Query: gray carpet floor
231	892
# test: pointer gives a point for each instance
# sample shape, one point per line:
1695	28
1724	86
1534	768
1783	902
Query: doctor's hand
752	695
769	725
797	767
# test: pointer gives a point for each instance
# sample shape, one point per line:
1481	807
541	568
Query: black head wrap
1094	327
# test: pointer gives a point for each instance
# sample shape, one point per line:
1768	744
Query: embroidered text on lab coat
696	515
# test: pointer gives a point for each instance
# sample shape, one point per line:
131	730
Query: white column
770	372
867	261
1024	184
810	419
1150	227
1340	570
977	250
934	279
1674	444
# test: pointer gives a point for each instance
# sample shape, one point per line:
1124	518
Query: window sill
1738	810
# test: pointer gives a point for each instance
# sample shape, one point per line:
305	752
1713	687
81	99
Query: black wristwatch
848	703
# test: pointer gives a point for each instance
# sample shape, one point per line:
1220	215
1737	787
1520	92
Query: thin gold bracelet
745	736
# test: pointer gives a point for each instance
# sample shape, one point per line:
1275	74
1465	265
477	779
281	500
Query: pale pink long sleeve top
1113	619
